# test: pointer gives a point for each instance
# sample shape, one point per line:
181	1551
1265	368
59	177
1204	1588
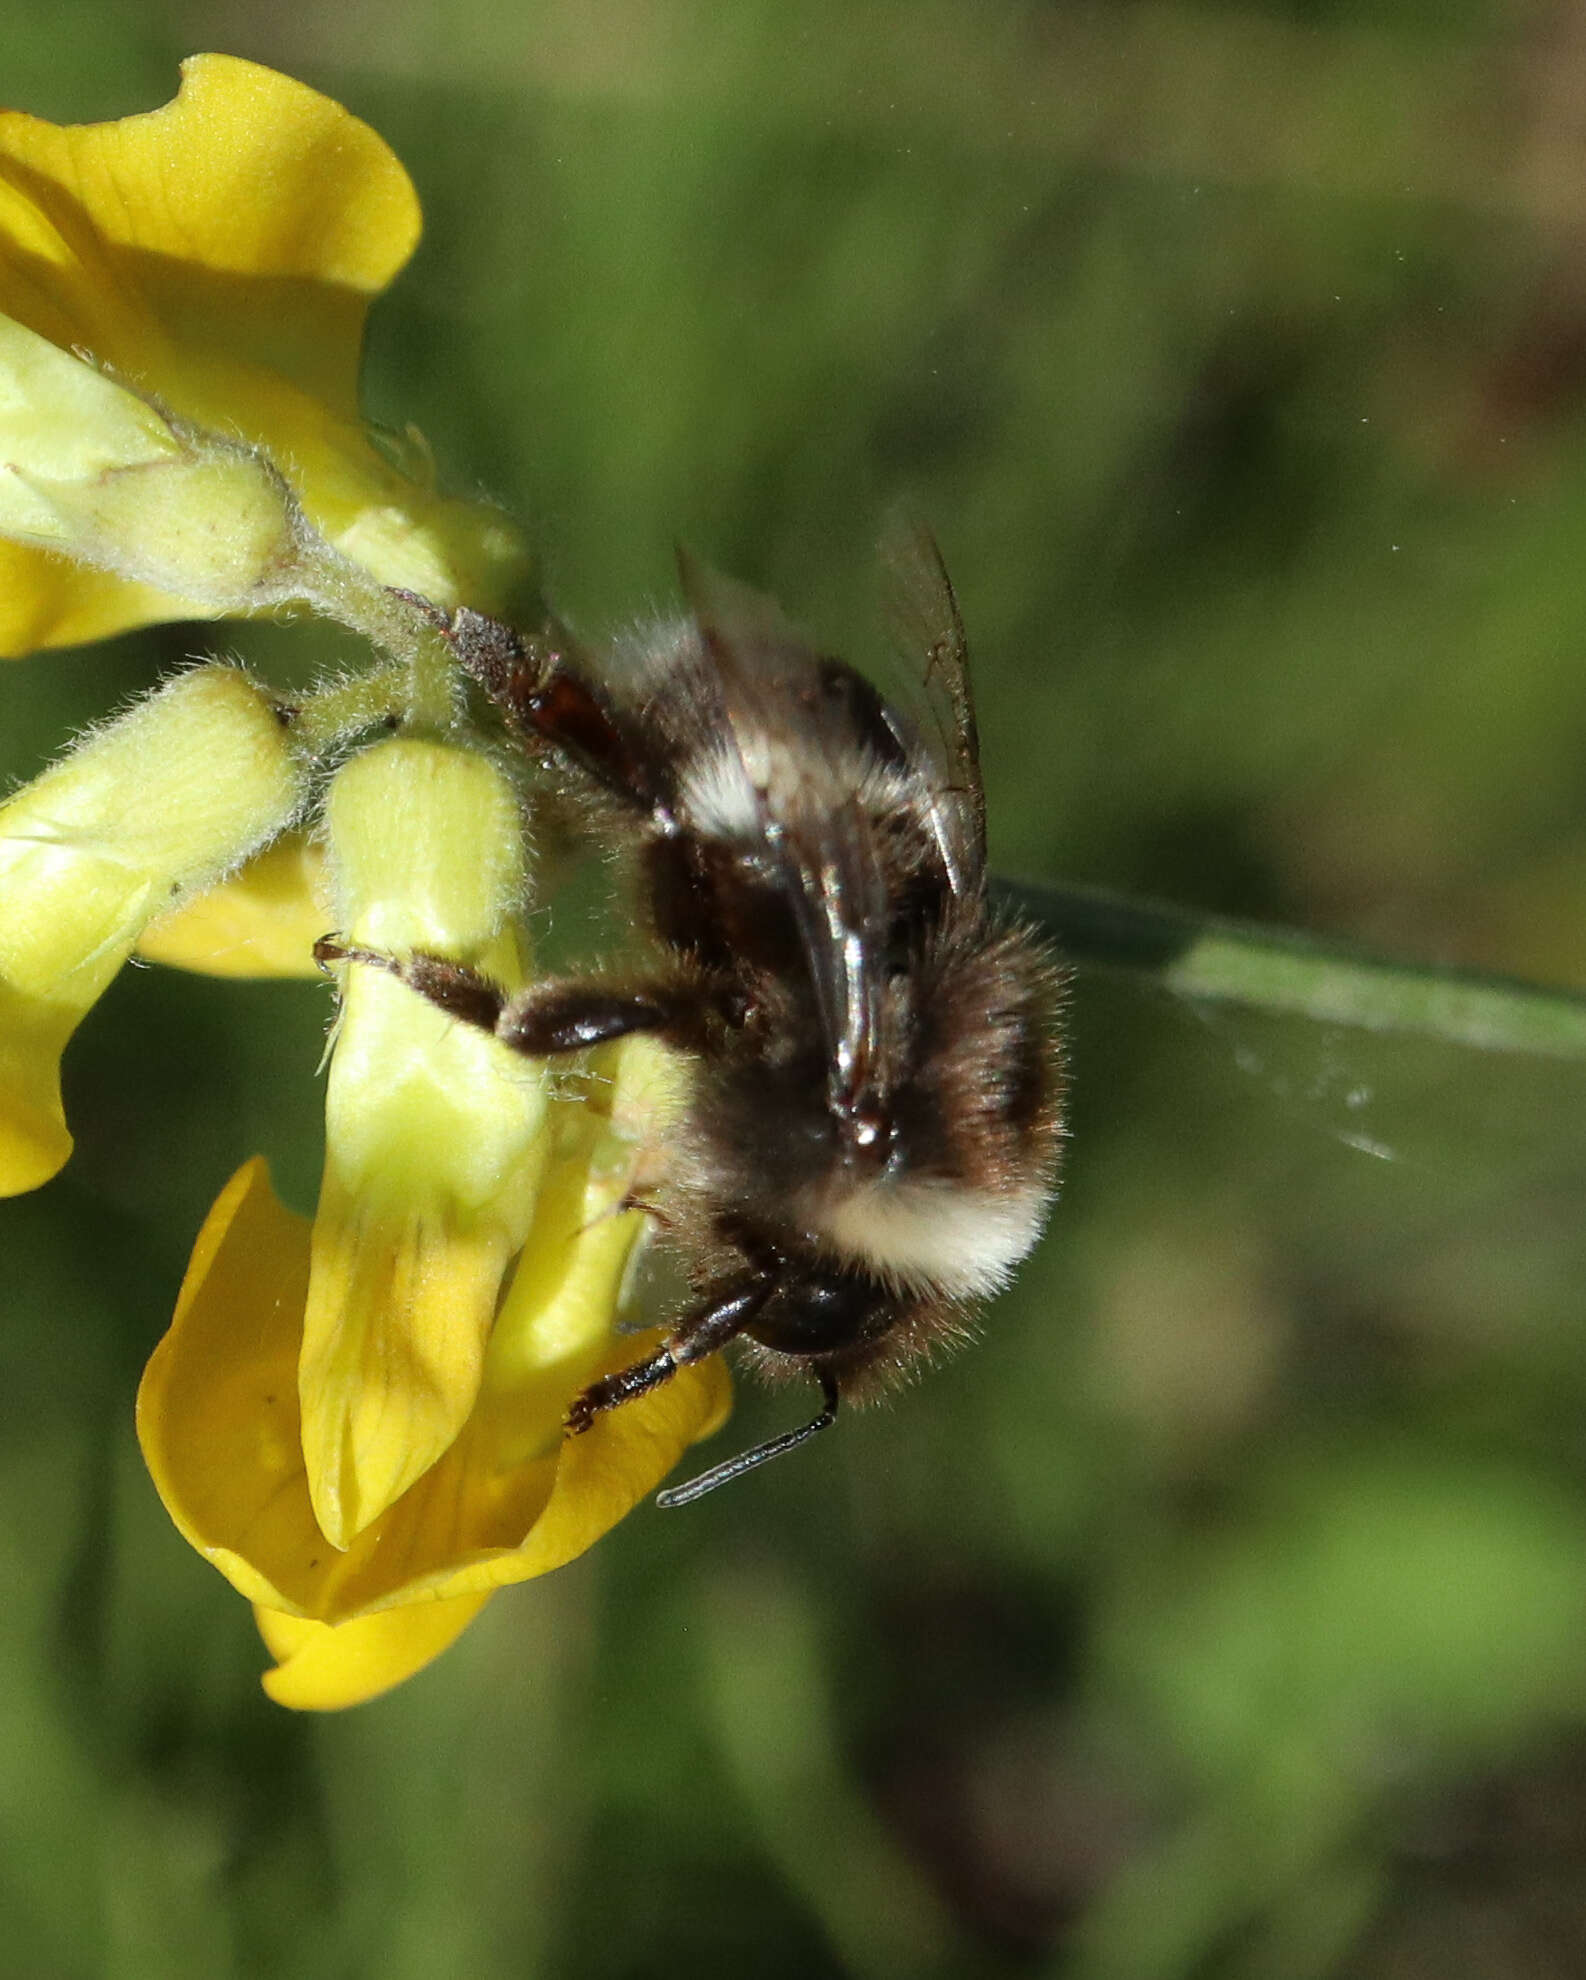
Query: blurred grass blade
773	1714
1205	958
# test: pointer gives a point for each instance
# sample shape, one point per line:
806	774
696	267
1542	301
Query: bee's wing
927	632
796	742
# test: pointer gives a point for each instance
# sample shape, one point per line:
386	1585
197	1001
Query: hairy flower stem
330	715
407	632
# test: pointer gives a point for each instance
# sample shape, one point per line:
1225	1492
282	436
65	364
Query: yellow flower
360	1423
152	808
360	1420
511	1498
186	292
340	1418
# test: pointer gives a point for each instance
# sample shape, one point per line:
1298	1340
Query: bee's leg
461	992
542	1022
546	689
705	1334
567	1017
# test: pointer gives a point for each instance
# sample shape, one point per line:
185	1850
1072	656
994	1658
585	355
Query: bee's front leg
547	688
542	1022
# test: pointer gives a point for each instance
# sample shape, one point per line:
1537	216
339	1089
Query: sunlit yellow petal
602	1475
324	1667
217	1407
250	215
35	1142
46	601
433	1131
511	1499
151	806
398	1317
263	921
217	256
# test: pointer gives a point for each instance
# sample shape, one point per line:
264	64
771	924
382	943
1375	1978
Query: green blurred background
1223	1614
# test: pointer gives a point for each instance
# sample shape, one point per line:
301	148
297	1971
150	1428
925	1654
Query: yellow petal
398	1314
46	601
218	256
263	921
35	1142
217	1419
324	1667
433	1131
150	806
251	215
217	1407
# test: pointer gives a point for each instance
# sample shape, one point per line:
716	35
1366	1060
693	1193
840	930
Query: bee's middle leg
705	1333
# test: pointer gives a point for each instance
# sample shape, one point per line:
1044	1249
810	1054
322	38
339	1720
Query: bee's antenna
751	1460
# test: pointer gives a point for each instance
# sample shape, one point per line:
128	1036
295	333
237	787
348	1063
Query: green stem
401	628
1206	958
330	714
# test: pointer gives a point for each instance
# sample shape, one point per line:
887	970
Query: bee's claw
425	607
332	949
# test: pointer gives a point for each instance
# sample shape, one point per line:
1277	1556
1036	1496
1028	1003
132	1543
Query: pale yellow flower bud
147	810
434	1132
90	470
215	526
444	552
